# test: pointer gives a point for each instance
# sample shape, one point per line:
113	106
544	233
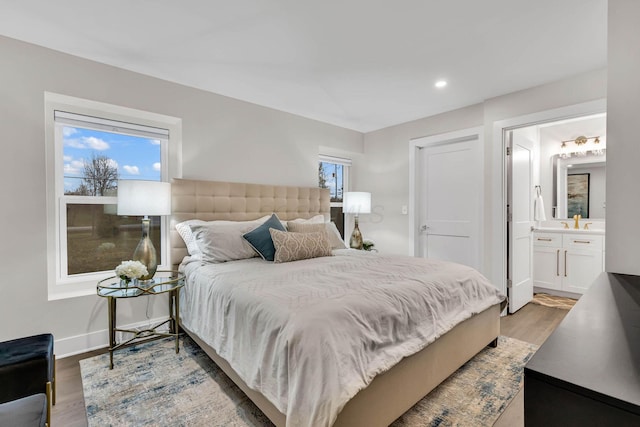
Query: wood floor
532	323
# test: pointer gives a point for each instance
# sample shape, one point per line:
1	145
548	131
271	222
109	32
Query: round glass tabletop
163	281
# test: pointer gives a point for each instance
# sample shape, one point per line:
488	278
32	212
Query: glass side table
112	289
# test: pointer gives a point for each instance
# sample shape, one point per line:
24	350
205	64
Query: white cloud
113	163
87	142
74	167
96	143
131	170
155	141
67	158
74	143
157	166
67	131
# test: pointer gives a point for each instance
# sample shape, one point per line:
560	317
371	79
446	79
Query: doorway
537	151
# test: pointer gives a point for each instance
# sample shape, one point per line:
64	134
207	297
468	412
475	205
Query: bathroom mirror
579	184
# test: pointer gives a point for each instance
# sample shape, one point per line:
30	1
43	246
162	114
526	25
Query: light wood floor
532	323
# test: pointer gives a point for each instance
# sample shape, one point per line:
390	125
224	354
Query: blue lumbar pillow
260	238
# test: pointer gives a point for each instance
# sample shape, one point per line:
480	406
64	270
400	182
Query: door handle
565	263
558	262
424	228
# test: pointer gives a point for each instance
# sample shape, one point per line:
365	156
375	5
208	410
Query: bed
383	397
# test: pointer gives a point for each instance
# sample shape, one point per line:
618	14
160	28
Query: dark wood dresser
587	373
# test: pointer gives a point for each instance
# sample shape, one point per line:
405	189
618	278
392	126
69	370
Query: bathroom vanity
567	261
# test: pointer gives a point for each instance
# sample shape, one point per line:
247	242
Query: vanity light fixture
441	83
582	147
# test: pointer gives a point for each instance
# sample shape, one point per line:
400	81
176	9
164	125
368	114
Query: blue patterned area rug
151	385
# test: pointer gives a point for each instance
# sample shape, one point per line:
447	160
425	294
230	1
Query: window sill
75	288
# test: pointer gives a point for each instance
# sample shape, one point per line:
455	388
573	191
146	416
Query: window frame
59	284
346	166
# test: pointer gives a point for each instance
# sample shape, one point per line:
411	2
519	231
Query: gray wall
623	147
386	174
386	170
223	139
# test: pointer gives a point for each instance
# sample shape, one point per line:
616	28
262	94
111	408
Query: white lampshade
357	202
144	197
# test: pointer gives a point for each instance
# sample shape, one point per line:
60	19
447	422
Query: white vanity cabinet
567	262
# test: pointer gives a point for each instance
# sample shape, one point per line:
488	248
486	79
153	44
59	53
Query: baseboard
71	346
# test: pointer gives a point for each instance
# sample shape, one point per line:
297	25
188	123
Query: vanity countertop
600	232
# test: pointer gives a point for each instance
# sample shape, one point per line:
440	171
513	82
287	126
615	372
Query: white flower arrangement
128	270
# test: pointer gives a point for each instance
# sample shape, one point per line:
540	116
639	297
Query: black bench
27	368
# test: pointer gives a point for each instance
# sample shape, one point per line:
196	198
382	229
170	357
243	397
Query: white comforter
310	334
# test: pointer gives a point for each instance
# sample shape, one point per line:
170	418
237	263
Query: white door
520	200
449	193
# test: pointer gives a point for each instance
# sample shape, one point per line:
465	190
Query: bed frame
391	393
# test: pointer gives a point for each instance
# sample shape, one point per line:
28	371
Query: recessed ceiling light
441	83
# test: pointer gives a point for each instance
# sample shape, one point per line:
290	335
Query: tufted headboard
212	200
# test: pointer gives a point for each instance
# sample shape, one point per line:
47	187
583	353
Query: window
91	150
333	173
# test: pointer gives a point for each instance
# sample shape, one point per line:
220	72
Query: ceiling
359	64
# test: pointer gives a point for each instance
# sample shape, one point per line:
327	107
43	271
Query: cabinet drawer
582	241
547	239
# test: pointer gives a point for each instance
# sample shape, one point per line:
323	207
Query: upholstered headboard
212	200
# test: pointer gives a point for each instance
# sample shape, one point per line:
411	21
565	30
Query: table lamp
148	198
356	202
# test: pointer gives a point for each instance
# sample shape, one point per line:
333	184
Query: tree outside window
96	238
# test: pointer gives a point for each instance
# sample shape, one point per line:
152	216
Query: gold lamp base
356	237
146	253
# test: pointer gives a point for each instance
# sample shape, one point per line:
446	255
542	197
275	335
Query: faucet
586	225
566	225
577	218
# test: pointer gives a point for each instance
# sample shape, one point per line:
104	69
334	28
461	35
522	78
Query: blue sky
328	170
134	156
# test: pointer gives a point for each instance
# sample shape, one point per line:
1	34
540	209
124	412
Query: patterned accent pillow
328	227
292	246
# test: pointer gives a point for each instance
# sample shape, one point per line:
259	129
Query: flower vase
128	283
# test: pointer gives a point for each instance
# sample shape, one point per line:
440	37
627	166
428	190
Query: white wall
386	152
223	139
385	173
623	149
548	148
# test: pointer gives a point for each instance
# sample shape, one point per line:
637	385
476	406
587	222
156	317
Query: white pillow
334	237
221	241
318	219
184	230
